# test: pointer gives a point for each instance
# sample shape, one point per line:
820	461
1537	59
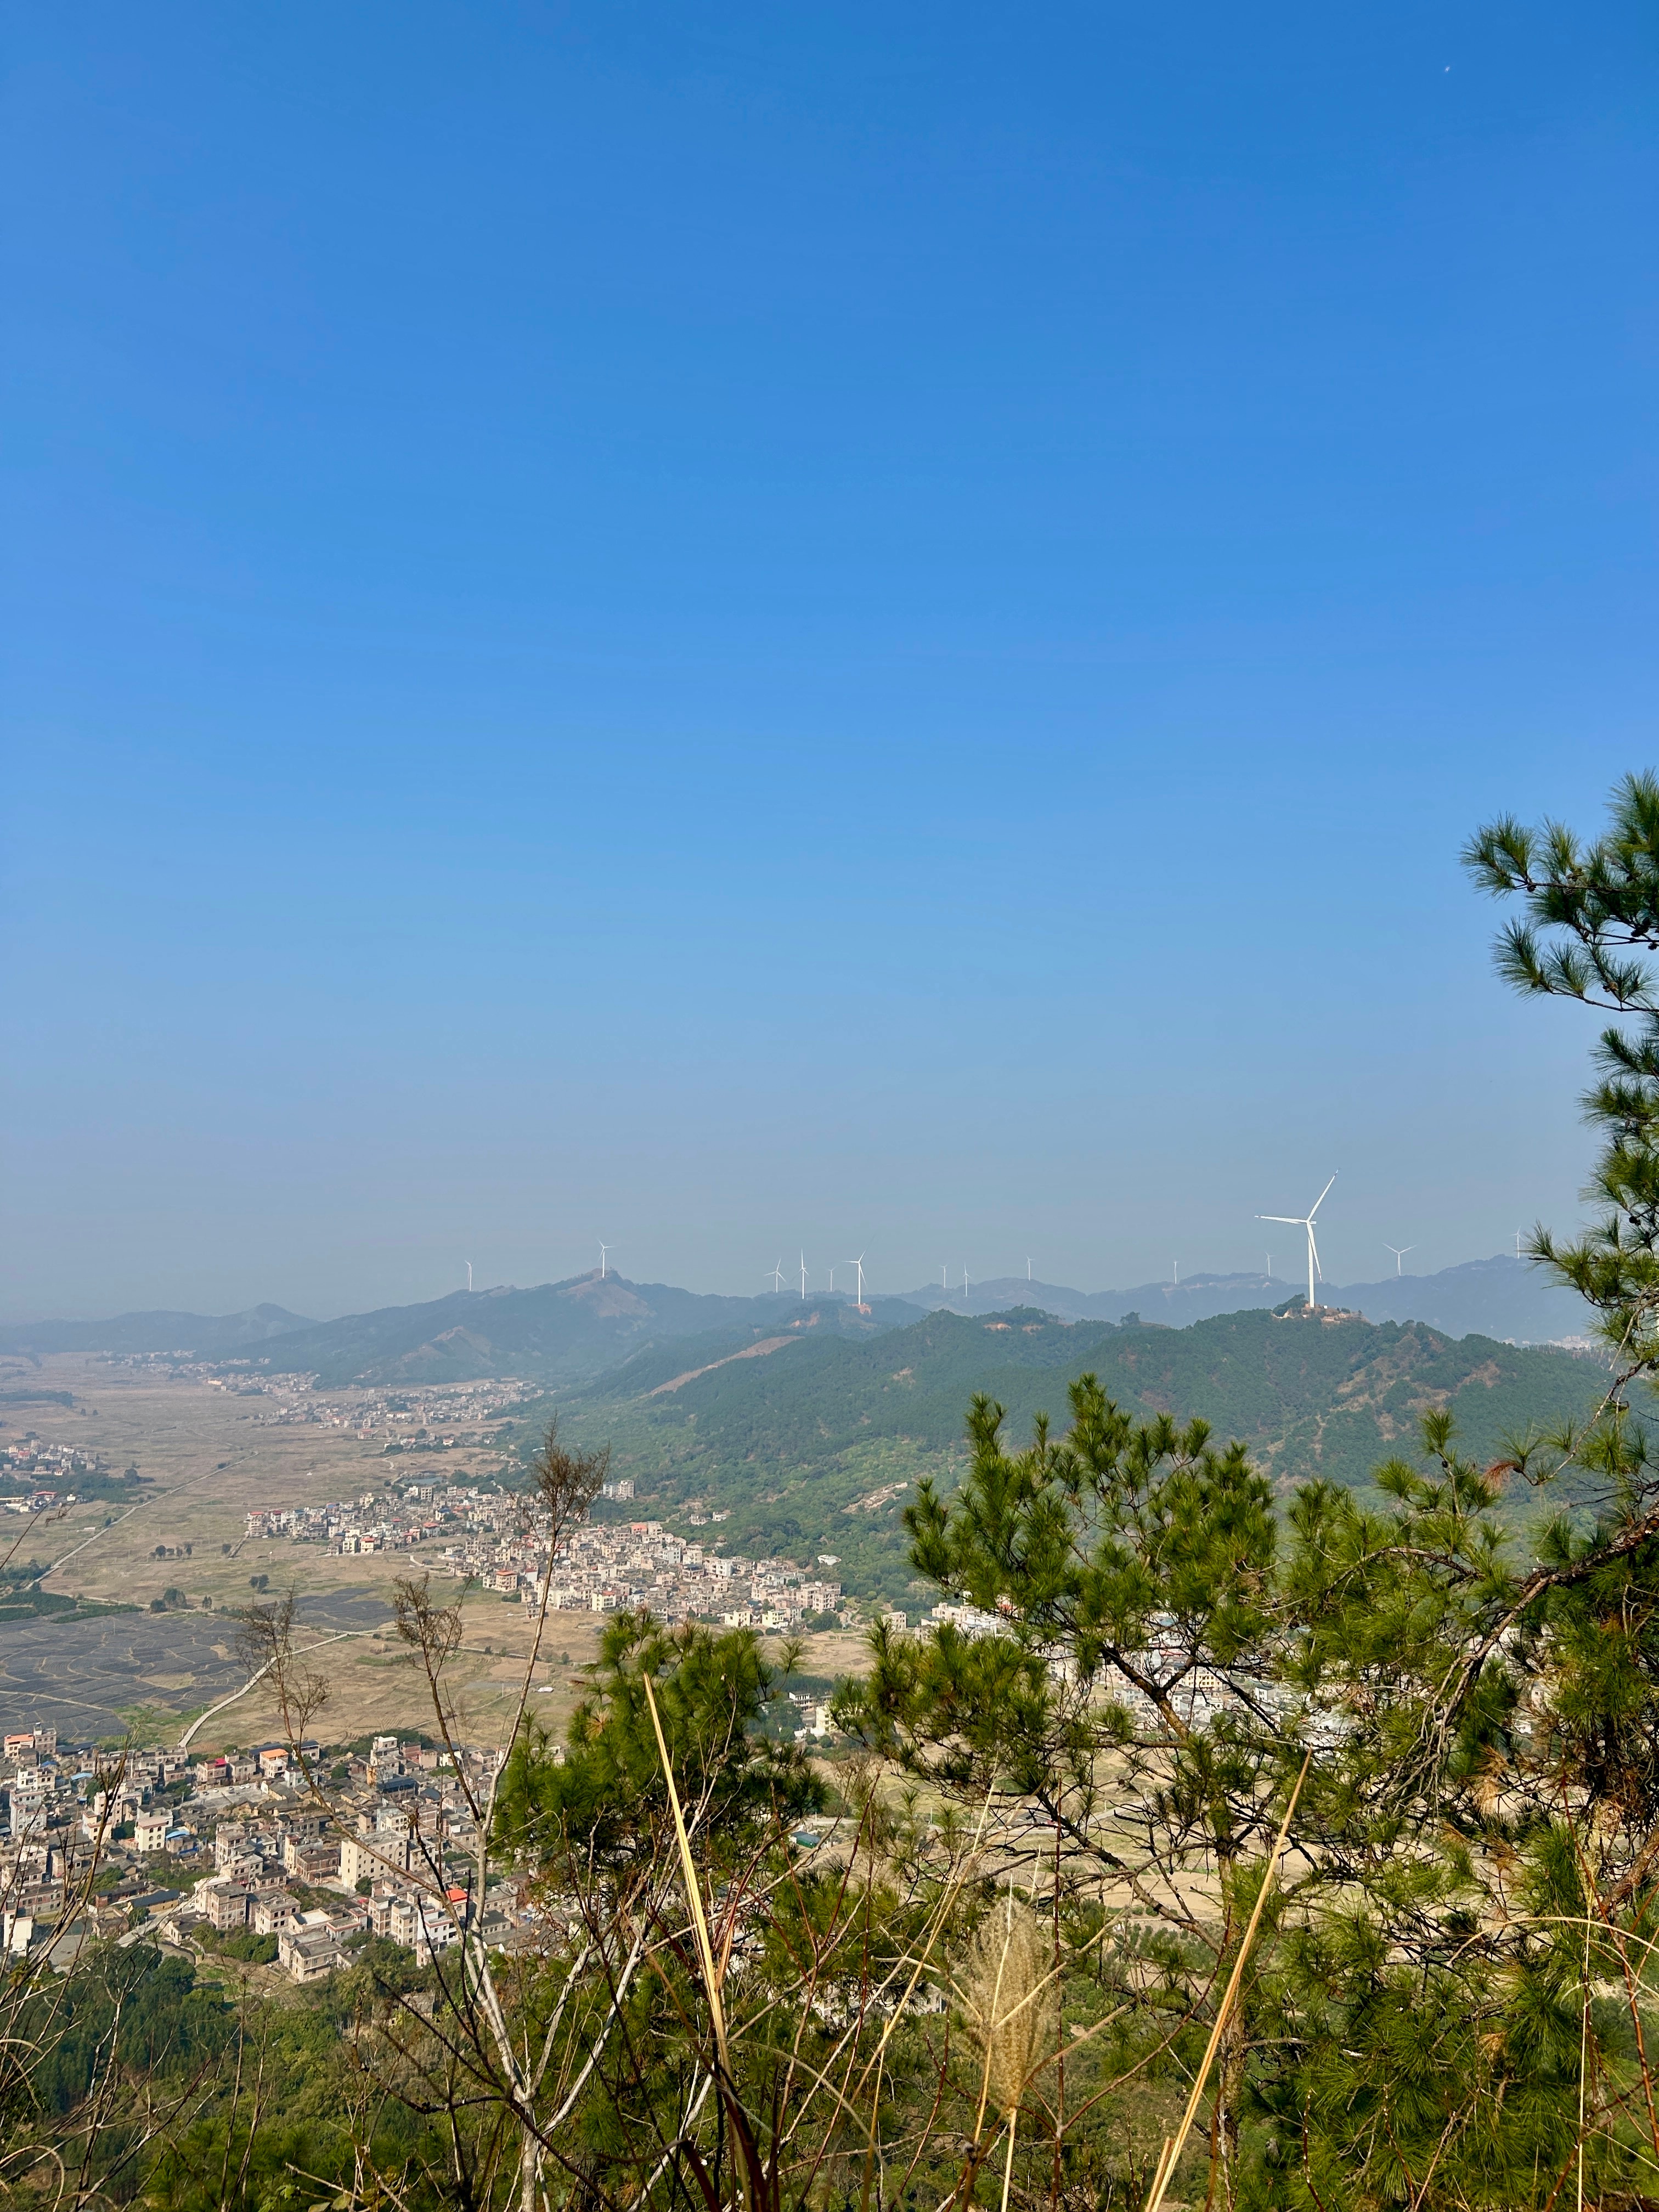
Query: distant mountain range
199	1336
570	1332
1501	1298
558	1333
808	1424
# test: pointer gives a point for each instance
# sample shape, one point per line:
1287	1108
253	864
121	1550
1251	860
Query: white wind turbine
1306	1221
1400	1252
803	1279
858	1264
776	1276
604	1252
469	1274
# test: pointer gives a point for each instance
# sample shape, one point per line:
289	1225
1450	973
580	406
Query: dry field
210	1466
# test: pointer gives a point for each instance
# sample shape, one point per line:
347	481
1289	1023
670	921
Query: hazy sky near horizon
749	629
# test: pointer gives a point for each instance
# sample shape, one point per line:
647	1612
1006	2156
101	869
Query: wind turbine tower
1306	1221
776	1276
1400	1252
858	1264
605	1251
469	1274
803	1279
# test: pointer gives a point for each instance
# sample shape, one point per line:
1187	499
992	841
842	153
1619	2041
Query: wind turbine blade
1319	1201
1296	1220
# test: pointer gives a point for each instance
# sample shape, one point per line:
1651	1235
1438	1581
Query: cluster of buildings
203	1849
458	1417
393	1854
968	1620
372	1522
440	1418
611	1566
48	1474
500	1540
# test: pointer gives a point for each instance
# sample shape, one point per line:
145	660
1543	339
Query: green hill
559	1334
815	1444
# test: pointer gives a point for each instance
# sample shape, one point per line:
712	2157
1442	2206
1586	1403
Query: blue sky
873	629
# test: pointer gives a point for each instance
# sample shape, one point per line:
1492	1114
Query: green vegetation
146	2080
252	1950
90	1487
22	1597
817	1447
608	1784
1320	1802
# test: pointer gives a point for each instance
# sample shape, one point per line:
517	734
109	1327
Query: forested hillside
814	1444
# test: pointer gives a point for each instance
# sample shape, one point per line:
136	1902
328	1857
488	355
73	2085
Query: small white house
149	1830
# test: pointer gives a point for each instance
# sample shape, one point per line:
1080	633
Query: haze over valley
772	1429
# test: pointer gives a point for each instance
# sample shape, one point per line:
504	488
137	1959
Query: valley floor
208	1467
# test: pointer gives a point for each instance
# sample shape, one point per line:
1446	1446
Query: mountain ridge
156	1332
817	1451
566	1334
1500	1297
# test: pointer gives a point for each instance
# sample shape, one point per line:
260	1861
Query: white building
149	1830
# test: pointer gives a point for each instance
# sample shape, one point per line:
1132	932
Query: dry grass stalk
1007	1992
1175	2143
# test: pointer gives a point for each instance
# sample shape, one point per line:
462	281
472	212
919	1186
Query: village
440	1418
292	1858
308	1859
499	1540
